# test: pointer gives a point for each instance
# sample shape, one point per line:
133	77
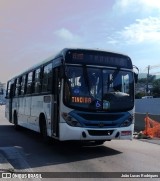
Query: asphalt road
25	151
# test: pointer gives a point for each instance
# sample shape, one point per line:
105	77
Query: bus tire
16	126
43	129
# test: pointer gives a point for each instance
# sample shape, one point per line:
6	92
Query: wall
151	106
142	106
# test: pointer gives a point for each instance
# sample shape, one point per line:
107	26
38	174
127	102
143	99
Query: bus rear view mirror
136	74
135	77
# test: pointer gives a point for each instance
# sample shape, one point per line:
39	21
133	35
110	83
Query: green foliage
142	136
156	88
143	80
155	91
151	78
139	95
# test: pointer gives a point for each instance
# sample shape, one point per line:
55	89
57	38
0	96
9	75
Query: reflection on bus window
37	81
47	78
23	85
29	83
97	84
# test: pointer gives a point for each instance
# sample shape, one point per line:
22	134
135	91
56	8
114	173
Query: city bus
76	95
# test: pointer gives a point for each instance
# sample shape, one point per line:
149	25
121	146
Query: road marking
12	159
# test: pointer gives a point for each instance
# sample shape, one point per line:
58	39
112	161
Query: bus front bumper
80	133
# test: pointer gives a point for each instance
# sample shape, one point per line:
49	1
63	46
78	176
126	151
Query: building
2	93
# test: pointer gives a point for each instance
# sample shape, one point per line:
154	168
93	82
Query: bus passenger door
56	102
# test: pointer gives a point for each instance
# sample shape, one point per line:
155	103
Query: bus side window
8	89
37	81
14	88
20	85
23	84
17	86
47	78
29	83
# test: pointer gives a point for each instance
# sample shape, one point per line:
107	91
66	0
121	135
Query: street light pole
147	89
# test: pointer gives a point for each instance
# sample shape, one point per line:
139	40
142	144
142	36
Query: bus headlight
127	122
70	120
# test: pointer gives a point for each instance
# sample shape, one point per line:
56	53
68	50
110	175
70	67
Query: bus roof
63	53
65	50
97	57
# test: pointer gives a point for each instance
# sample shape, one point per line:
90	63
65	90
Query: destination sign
84	100
89	57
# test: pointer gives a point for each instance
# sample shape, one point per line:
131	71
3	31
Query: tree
139	95
156	88
142	80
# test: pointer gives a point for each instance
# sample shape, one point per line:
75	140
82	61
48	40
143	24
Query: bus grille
100	132
101	117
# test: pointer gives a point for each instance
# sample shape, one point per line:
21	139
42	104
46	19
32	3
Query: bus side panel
40	104
27	111
14	108
7	109
22	119
47	110
36	110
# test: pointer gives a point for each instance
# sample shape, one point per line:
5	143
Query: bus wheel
16	126
43	129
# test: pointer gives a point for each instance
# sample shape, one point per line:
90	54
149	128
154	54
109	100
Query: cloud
143	30
67	35
126	6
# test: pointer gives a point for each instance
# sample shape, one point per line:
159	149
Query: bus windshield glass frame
98	89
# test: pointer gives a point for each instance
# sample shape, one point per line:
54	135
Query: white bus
78	94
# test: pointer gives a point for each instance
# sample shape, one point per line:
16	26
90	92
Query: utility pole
149	67
147	89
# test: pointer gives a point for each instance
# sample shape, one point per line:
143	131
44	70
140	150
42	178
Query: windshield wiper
114	75
86	78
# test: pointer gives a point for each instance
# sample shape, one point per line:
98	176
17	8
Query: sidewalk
152	140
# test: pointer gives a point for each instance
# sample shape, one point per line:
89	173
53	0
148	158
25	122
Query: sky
33	30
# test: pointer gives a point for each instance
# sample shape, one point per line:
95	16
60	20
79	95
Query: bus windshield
98	89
